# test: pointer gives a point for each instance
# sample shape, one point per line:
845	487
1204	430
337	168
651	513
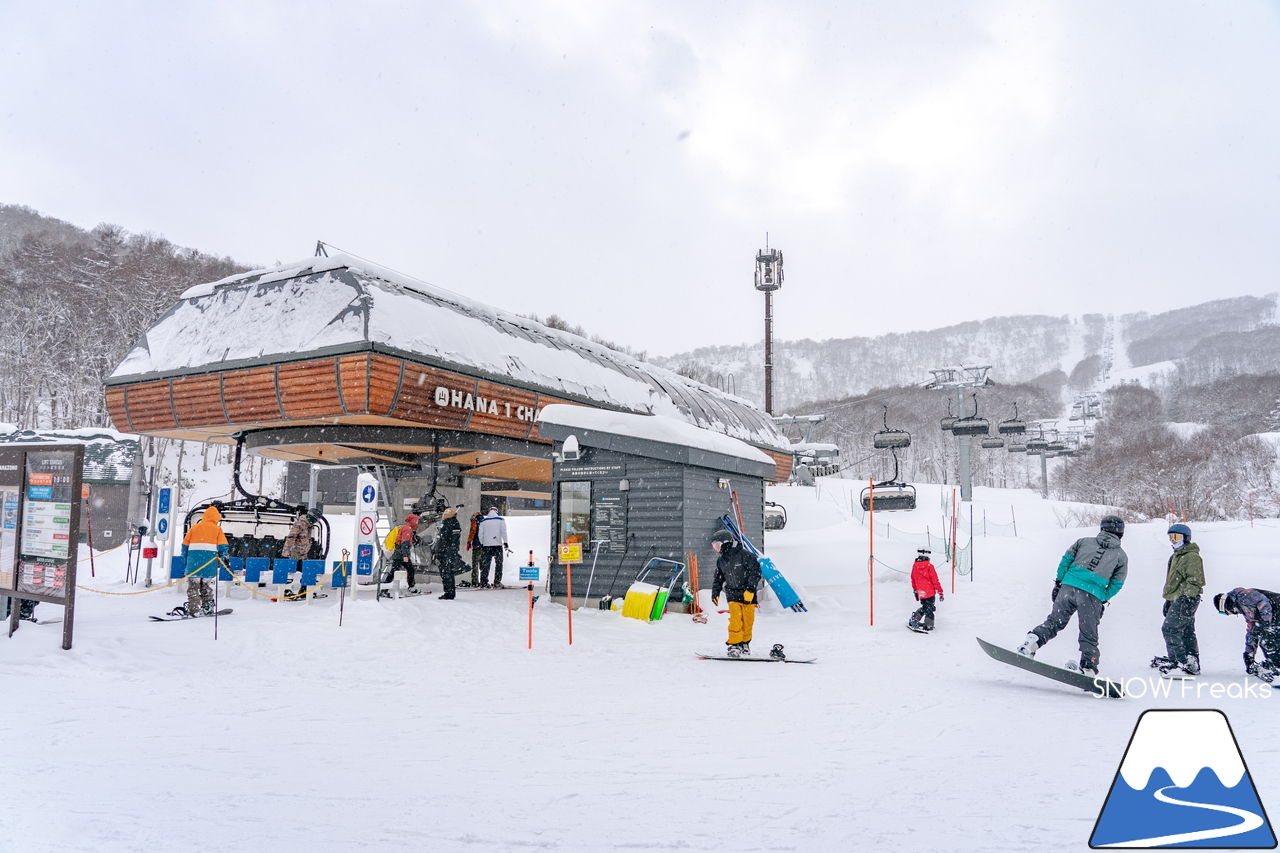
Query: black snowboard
1100	686
185	618
754	660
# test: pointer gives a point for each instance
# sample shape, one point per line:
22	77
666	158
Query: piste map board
40	526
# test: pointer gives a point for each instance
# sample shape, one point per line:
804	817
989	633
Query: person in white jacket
493	541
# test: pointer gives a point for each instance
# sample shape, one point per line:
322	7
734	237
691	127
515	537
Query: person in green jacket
1183	584
1089	575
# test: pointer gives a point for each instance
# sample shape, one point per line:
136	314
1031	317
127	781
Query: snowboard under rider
925	585
1261	611
738	576
1090	574
204	549
1183	584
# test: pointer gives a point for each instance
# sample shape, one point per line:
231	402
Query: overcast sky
619	164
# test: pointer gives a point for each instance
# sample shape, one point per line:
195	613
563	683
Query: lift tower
768	279
962	378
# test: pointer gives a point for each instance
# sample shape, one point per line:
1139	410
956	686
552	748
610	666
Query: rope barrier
141	591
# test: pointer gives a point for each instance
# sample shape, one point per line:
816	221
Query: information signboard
366	535
609	520
571	553
40	526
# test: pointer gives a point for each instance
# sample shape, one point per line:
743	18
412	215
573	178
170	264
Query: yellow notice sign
571	553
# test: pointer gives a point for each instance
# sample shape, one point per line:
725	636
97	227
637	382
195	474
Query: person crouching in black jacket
738	575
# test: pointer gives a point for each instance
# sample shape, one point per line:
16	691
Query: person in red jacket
924	582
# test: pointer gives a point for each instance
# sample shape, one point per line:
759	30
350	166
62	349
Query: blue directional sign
162	526
164	503
528	573
364	560
368	494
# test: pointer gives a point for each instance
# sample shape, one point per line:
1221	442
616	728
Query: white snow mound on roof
651	428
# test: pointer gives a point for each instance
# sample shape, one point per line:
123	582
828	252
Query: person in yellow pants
738	576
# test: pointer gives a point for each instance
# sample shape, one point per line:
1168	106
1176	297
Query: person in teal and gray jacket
1089	575
1183	584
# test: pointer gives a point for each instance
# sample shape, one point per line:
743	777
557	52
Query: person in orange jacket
204	549
924	582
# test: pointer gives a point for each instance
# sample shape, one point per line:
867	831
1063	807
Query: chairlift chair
972	425
888	438
1051	454
950	420
775	516
1056	446
1017	448
992	443
1014	425
889	495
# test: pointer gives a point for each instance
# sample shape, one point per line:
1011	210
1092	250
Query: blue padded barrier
178	568
311	571
254	567
280	569
340	577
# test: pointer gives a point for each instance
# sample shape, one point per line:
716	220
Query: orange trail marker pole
568	574
871	554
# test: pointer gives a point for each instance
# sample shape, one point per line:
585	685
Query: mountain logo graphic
1183	783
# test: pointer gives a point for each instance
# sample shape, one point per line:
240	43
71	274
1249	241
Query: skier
738	575
1261	611
1090	574
401	557
204	549
924	582
473	545
445	551
1183	584
493	541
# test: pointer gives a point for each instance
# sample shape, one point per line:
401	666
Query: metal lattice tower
768	279
962	378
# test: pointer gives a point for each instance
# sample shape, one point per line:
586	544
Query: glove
748	596
716	600
1057	585
1165	611
941	597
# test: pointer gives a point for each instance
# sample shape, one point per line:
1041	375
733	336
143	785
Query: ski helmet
1224	603
724	537
1113	524
1181	529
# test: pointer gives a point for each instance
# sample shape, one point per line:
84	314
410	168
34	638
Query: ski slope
428	725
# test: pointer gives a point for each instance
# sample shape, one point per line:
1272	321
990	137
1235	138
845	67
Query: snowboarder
738	575
204	549
401	557
1183	584
493	541
1261	611
445	551
1090	574
924	582
26	609
297	543
473	545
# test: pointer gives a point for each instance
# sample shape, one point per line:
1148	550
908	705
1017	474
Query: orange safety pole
530	614
568	574
871	551
953	541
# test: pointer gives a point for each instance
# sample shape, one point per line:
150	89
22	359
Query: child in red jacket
924	582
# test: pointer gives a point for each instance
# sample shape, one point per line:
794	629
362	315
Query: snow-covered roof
108	455
341	304
650	428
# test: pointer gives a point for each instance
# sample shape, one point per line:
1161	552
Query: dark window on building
574	522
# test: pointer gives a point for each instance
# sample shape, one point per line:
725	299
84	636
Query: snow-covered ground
428	725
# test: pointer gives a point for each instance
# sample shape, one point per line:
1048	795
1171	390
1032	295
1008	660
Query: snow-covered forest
74	301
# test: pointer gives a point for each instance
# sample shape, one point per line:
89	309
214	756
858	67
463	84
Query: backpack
390	542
